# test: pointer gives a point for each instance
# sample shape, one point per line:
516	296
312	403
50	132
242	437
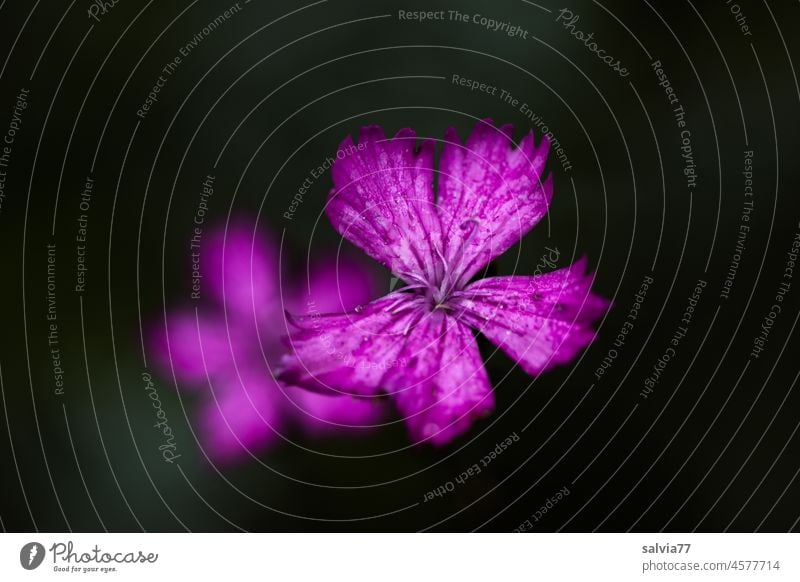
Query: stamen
409	288
409	303
412	277
395	303
411	322
441	256
448	285
401	309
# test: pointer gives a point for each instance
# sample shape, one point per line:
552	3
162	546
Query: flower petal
335	284
323	413
442	385
383	201
243	417
490	194
193	346
538	321
348	353
241	268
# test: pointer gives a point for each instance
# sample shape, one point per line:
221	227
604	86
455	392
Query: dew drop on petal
430	429
469	224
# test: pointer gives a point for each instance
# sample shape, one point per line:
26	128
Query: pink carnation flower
226	352
418	344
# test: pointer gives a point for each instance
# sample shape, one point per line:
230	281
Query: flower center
448	280
438	297
437	293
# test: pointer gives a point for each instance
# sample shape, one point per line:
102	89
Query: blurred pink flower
227	351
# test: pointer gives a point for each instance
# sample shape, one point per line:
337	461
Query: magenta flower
226	352
417	344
